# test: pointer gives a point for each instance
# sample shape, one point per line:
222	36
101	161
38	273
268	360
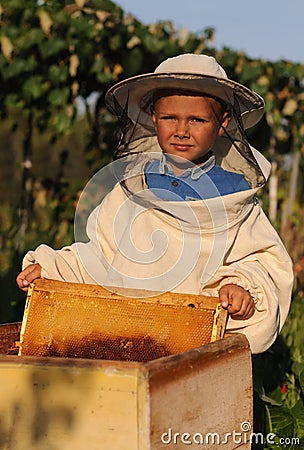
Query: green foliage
286	418
51	53
279	381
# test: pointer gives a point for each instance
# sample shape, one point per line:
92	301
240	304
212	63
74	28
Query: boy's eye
198	120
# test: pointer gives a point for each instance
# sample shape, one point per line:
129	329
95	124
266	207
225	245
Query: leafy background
57	61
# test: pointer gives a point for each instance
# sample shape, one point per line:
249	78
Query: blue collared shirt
196	183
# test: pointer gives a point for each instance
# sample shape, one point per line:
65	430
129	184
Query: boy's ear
225	121
153	117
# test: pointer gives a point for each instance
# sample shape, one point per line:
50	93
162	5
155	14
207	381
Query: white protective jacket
136	240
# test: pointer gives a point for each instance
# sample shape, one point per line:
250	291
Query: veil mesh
232	150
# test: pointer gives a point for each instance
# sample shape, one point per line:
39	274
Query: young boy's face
187	125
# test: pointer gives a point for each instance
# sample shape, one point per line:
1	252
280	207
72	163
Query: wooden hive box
67	403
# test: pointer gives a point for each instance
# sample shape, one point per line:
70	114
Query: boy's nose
182	129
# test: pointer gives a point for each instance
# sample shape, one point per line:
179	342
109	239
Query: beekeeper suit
136	239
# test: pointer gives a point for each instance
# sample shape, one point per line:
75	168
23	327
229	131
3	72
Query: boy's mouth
182	147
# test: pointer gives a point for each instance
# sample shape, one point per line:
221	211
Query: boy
189	186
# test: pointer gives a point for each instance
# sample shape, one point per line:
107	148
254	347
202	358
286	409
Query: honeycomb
82	321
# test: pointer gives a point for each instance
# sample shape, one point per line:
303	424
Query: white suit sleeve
267	273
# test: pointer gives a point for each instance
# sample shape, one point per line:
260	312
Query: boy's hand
237	301
28	275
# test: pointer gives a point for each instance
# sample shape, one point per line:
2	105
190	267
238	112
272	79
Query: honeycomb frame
73	320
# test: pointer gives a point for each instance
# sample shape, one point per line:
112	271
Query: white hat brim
135	94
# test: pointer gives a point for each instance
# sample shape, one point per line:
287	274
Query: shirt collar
194	172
